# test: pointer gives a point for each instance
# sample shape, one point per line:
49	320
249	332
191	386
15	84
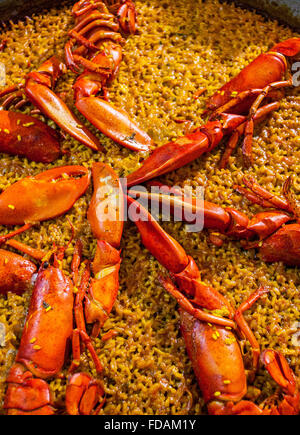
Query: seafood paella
145	317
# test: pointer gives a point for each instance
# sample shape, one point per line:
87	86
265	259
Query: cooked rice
181	46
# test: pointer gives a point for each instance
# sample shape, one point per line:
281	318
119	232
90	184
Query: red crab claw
100	63
38	89
289	48
183	268
44	196
110	120
218	365
263	79
283	245
214	361
83	394
266	69
226	221
105	215
49	324
278	368
26	395
212	346
184	150
15	273
35	253
278	240
25	136
260	196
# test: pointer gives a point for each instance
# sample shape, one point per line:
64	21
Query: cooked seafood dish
106	306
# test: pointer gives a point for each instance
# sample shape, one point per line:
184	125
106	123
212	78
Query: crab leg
266	69
42	349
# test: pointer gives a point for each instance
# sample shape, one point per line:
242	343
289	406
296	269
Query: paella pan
177	58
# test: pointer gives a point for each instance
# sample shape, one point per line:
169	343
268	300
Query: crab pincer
41	197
